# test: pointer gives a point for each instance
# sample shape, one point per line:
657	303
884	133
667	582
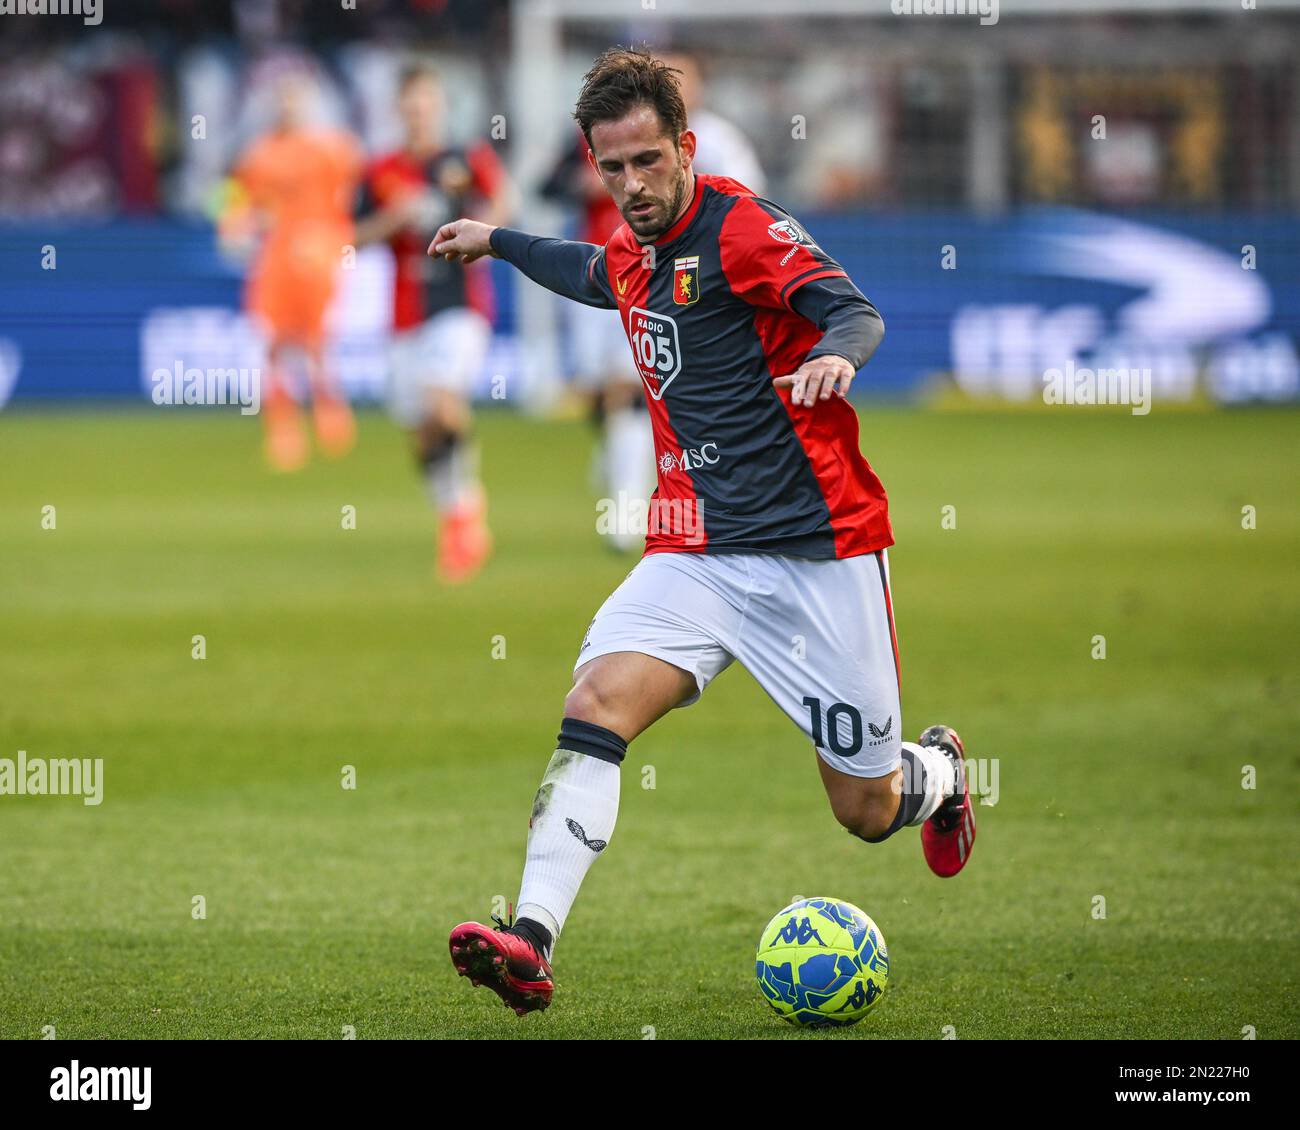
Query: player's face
647	175
294	98
420	104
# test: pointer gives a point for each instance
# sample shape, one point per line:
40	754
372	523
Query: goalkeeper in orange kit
292	192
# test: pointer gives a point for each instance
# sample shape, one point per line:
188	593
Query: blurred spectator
78	140
721	148
840	158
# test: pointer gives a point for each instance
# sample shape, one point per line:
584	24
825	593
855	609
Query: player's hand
816	379
465	240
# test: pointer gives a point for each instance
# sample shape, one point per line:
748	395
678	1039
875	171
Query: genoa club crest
686	280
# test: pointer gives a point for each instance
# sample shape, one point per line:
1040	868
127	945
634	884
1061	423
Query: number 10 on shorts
834	713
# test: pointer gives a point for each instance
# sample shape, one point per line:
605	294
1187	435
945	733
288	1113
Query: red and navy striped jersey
708	312
449	183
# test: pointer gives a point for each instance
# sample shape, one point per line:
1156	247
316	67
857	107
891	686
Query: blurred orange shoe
464	542
336	429
286	445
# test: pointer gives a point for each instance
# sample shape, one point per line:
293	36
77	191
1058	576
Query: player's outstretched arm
572	270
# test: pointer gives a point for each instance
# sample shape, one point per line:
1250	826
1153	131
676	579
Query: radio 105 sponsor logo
656	347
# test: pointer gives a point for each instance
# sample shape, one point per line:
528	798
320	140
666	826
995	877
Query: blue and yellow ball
822	963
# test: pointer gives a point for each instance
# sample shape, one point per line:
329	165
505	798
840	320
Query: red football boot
465	542
285	444
336	428
505	962
947	837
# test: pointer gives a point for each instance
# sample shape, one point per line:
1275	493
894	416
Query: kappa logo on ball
656	348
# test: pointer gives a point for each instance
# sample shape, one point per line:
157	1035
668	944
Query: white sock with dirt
573	818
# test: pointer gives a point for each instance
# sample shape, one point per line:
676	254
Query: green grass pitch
1118	777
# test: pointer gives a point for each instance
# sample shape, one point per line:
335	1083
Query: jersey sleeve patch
766	254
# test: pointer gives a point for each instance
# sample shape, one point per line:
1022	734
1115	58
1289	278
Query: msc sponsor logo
689	458
656	348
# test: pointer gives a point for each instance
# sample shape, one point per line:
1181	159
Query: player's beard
652	225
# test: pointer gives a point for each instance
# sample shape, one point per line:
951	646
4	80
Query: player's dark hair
623	78
418	71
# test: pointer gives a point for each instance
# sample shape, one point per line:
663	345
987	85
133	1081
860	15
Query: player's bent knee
588	702
868	815
868	824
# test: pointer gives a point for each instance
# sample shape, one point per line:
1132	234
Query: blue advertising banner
1208	306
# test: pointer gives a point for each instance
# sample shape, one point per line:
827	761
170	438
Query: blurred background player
441	311
290	196
721	148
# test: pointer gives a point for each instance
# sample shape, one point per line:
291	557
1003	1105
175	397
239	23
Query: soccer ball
822	963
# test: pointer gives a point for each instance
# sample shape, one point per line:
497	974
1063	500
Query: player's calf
874	808
866	806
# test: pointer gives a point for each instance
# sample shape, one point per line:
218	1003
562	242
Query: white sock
452	477
573	818
628	455
940	779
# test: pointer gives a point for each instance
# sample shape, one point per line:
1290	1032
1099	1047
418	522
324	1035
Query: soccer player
294	186
441	309
767	525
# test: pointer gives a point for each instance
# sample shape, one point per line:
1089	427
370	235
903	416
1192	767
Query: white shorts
446	352
817	635
600	348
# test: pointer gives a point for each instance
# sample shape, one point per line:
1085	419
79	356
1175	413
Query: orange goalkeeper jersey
302	184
